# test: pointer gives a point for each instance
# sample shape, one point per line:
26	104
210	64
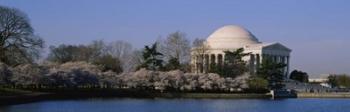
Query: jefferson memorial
231	38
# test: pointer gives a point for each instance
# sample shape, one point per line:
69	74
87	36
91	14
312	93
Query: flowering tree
28	75
5	74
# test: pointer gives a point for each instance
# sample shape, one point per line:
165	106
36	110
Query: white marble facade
232	37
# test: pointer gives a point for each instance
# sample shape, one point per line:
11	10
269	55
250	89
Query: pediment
276	46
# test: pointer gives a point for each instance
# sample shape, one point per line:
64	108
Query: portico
230	38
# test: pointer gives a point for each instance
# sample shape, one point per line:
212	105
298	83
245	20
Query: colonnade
201	63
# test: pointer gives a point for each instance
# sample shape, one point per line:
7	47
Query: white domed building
232	37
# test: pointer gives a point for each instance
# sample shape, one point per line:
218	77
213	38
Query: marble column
251	64
285	62
194	64
209	62
202	63
206	58
213	58
223	59
258	60
288	57
275	58
216	59
220	58
198	64
209	59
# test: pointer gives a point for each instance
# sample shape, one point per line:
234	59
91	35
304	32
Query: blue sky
318	31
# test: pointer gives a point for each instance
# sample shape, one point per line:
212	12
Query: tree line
163	65
339	81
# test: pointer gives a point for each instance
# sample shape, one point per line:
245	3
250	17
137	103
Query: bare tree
119	49
65	53
123	51
136	59
176	46
95	49
18	44
200	46
199	49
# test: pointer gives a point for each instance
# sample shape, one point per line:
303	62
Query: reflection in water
184	105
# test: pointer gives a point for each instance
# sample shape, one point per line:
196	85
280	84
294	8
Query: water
184	105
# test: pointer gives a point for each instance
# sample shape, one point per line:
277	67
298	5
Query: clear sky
318	31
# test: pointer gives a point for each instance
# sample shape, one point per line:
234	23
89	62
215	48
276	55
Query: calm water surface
184	105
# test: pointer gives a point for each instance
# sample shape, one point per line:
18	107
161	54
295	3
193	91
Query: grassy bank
14	96
324	95
213	95
11	92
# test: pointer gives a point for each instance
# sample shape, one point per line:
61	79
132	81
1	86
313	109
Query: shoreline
324	95
215	95
37	97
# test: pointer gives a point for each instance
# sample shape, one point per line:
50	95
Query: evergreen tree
152	58
299	76
233	66
272	71
173	64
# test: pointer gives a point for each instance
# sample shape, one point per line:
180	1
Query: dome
231	37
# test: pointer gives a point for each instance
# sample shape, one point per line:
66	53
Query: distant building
318	80
232	37
306	87
317	83
323	81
